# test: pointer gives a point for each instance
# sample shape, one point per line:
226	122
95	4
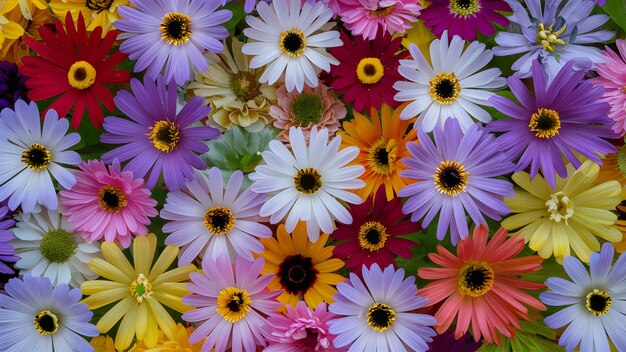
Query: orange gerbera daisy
481	285
382	141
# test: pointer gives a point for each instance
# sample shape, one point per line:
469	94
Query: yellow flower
26	7
382	142
179	344
139	290
9	29
103	343
614	168
301	268
14	49
96	12
571	215
421	36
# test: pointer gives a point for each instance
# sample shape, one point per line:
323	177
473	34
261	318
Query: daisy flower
547	127
12	85
47	247
7	252
158	139
172	34
480	285
382	139
231	303
25	7
107	203
613	78
465	17
98	13
378	312
367	70
32	155
306	185
571	214
452	87
103	343
291	37
164	344
74	78
595	302
301	329
302	269
366	17
456	174
34	316
210	218
373	235
14	49
313	107
9	30
140	290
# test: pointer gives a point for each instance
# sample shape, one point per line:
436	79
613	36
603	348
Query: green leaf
238	15
617	10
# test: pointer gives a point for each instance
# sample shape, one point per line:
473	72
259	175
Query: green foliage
534	336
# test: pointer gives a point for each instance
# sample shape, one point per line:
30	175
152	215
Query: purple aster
12	85
446	343
173	34
555	35
456	174
157	138
7	252
34	316
563	117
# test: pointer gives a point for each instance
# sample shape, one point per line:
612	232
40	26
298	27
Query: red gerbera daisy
372	236
73	65
367	70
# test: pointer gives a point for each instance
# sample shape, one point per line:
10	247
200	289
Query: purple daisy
456	174
172	33
158	139
7	252
12	85
565	116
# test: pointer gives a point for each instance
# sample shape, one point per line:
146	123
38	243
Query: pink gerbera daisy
106	202
364	17
613	78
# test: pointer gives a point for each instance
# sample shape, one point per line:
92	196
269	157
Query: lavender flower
7	252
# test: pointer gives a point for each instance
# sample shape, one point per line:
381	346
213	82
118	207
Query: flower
481	285
210	219
9	30
613	78
373	235
102	343
30	154
553	219
230	304
46	247
7	252
465	17
305	186
179	343
547	128
234	92
382	140
553	36
14	49
158	139
107	203
378	312
25	7
317	107
35	316
367	70
98	13
140	290
301	268
454	86
12	85
301	41
74	79
456	174
446	343
301	330
594	301
365	17
172	34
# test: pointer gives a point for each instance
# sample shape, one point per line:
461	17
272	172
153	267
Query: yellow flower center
46	322
111	198
451	178
245	86
475	279
175	28
233	304
549	38
464	7
623	89
598	302
444	88
560	207
545	123
165	135
81	75
380	317
370	70
372	236
37	157
98	5
307	180
219	220
381	156
292	42
141	288
382	11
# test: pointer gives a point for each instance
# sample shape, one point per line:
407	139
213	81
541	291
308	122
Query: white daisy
48	248
306	184
451	87
291	37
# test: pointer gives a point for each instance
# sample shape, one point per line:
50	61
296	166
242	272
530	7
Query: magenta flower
613	79
366	17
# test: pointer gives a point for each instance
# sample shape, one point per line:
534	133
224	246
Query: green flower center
307	108
58	246
245	86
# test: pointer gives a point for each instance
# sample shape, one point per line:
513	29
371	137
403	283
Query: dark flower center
37	157
546	123
233	304
98	5
219	220
444	88
370	70
175	28
46	322
372	236
292	42
297	274
307	180
307	108
380	317
451	178
111	198
598	302
164	135
464	7
475	279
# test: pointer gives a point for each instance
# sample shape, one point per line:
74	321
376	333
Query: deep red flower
367	71
372	236
74	67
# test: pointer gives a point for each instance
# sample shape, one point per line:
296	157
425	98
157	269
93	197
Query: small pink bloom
364	17
613	78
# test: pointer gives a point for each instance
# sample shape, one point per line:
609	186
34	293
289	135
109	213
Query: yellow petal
110	318
329	266
142	320
107	270
524	201
522	219
96	286
114	256
173	301
163	318
166	259
175	275
143	253
12	30
152	332
103	298
538	187
126	331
